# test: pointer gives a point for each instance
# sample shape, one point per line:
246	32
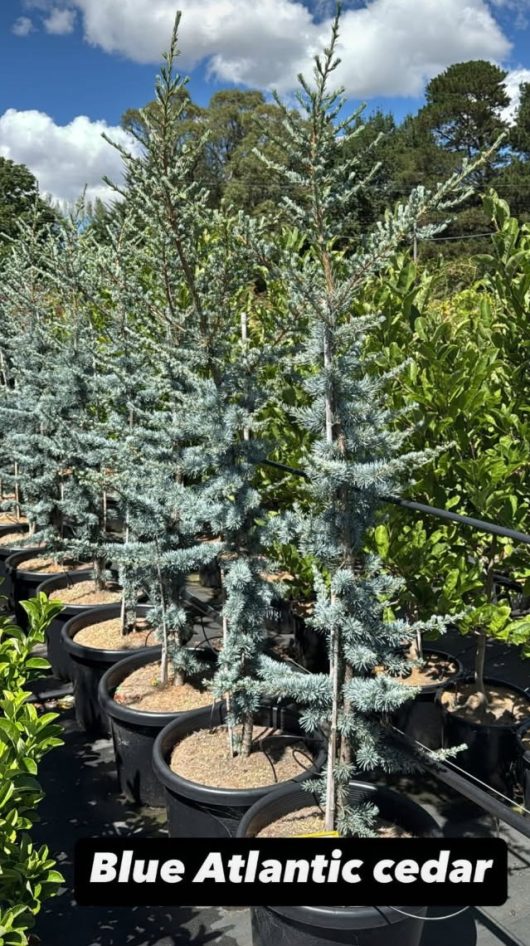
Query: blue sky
70	68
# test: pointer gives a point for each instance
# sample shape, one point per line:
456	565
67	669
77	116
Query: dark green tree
513	183
19	200
520	133
463	110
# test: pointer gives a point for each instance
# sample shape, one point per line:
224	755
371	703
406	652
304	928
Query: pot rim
205	794
7	550
128	714
29	552
489	681
70	578
522	729
343	918
13	527
347	918
95	615
428	688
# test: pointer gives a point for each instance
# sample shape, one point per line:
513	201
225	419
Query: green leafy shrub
466	390
27	875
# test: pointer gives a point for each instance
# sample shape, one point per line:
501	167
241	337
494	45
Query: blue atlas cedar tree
49	390
21	301
205	262
357	455
141	433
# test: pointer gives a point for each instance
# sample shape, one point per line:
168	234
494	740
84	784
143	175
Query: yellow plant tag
319	834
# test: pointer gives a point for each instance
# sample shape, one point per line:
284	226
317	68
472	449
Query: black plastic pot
89	664
57	655
524	761
134	731
421	717
319	926
201	811
24	584
492	751
310	644
5	552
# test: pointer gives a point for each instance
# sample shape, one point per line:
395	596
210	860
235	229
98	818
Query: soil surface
204	757
433	670
9	518
504	707
310	820
45	564
85	593
141	690
303	609
13	539
106	635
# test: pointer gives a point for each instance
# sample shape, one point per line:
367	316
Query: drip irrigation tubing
478	524
488	798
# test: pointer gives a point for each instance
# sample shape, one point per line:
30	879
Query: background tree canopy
19	201
465	112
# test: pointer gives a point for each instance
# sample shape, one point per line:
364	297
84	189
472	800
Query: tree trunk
17	494
331	787
99	568
246	738
105	510
164	658
480	654
345	744
244	339
230	728
480	663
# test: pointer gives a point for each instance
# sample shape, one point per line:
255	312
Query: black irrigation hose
478	524
466	787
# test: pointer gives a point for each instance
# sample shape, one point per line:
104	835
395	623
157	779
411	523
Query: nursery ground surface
82	801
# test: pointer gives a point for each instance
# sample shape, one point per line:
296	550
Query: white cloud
521	8
23	26
388	47
393	46
60	21
63	158
513	82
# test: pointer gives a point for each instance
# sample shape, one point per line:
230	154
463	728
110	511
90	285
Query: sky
70	68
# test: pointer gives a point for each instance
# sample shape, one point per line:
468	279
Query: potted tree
44	408
481	711
142	693
473	416
214	262
356	457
